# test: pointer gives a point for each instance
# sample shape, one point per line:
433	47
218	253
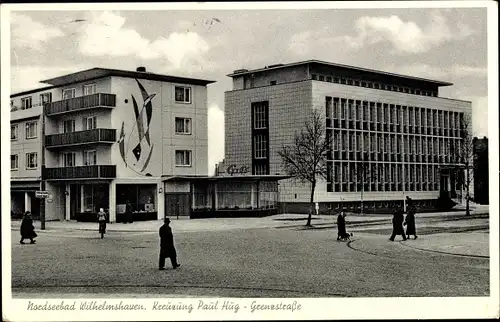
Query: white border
372	308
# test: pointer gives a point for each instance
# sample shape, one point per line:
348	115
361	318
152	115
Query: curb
443	252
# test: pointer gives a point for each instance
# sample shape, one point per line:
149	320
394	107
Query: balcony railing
81	172
80	103
81	137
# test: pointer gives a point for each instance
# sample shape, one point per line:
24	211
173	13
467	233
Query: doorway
178	204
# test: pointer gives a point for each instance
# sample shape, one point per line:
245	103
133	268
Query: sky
448	44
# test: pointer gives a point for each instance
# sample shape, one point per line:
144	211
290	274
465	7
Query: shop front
238	196
141	200
22	197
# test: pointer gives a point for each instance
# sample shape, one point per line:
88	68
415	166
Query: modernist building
106	137
393	135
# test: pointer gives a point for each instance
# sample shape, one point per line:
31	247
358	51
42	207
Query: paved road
253	262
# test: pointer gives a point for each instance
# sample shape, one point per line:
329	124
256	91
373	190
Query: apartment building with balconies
392	135
110	137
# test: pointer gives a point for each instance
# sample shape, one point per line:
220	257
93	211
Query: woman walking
27	229
410	219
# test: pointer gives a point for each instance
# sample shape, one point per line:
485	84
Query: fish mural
135	147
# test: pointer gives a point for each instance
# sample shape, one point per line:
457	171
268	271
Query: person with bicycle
101	218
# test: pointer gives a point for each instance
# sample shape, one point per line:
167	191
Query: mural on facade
135	146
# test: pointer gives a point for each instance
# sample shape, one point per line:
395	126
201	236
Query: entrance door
74	197
177	204
444	185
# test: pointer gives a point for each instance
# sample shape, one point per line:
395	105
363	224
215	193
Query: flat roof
320	62
230	178
31	91
98	72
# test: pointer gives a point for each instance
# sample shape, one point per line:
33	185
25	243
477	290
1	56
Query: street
285	261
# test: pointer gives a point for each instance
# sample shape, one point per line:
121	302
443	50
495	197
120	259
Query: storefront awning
226	178
25	185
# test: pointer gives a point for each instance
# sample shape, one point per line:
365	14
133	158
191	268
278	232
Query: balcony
81	172
99	100
80	137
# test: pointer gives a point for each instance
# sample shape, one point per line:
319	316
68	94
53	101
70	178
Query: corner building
393	136
108	137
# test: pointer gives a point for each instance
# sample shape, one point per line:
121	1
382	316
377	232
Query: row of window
182	95
31	131
182	126
183	158
384	113
31	161
357	176
375	85
392	143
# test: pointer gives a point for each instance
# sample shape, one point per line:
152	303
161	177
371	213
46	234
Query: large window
182	125
182	158
260	148
14	132
89	157
14	161
182	94
89	123
69	159
31	130
260	169
69	126
260	115
89	89
45	98
26	103
31	160
68	93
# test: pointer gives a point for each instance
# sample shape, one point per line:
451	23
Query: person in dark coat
397	224
27	228
341	231
410	219
167	248
129	215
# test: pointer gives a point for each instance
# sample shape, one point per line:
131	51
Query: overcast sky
443	44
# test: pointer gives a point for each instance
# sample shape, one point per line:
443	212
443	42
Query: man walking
397	224
167	248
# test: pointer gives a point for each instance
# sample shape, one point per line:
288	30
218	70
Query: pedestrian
341	230
410	219
27	229
101	218
167	248
129	215
397	224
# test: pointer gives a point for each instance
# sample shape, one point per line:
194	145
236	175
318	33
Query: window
13	132
89	157
31	130
31	160
260	146
68	93
314	76
89	123
260	115
182	158
182	125
69	159
273	82
26	103
322	78
45	98
14	162
329	79
260	169
89	89
69	126
182	94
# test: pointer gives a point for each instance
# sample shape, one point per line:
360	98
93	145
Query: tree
305	159
464	154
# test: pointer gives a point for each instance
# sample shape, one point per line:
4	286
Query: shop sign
41	194
234	170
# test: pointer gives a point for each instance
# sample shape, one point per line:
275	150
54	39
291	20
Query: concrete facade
404	105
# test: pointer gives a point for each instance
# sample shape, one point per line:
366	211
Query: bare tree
305	159
464	155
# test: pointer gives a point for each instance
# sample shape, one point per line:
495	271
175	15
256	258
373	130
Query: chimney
141	69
